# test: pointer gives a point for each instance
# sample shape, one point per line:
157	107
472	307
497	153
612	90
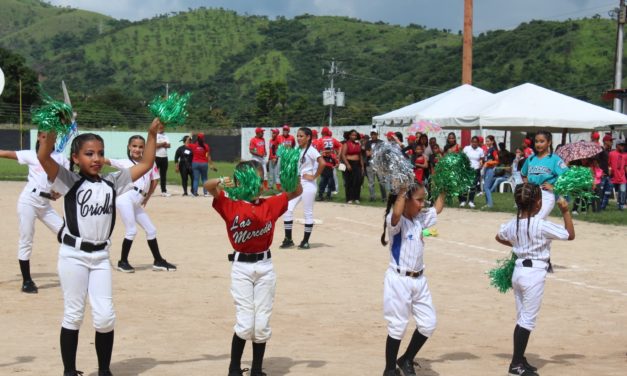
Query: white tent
531	106
438	106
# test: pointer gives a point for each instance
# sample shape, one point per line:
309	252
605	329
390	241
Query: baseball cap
201	136
275	130
389	134
286	127
480	139
314	132
608	137
326	131
411	138
595	135
258	130
527	142
184	138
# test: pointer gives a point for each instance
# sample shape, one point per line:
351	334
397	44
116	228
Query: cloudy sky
441	14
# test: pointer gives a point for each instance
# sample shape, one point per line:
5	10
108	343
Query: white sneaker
471	205
575	212
165	194
349	202
462	204
480	193
357	202
334	192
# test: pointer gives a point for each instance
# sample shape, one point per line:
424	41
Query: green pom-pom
53	116
577	182
247	184
171	111
288	158
452	175
501	276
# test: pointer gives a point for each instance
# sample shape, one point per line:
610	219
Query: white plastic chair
509	182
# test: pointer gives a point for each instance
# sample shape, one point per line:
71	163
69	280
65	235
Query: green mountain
248	70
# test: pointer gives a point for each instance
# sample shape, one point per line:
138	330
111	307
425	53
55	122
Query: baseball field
328	316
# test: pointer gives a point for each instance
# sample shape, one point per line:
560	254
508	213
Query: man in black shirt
370	174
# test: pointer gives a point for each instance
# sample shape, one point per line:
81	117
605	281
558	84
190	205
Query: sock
258	350
391	352
308	229
521	338
288	229
417	340
237	349
154	248
25	269
126	249
69	344
104	348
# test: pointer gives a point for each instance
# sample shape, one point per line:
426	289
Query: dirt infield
328	316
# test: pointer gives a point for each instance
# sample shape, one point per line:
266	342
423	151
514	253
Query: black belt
43	194
248	257
141	192
85	246
527	263
410	273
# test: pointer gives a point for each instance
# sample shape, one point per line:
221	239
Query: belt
249	257
528	263
42	194
141	192
409	273
85	246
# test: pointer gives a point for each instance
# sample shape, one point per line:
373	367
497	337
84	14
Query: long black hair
78	142
130	139
447	145
307	132
391	200
526	195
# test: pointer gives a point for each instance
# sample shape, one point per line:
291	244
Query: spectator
451	144
183	162
201	158
161	159
490	161
617	172
257	147
351	155
273	165
475	155
370	173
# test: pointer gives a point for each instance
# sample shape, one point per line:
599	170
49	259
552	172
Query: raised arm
148	159
46	146
568	219
214	186
8	154
439	202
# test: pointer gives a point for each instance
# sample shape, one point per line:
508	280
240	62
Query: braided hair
526	195
78	142
391	200
308	133
130	140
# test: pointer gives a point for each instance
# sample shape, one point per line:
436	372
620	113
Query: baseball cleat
304	245
406	366
105	373
125	267
529	366
29	287
287	243
163	265
72	373
394	372
520	370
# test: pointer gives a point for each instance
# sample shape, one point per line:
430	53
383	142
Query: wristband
221	181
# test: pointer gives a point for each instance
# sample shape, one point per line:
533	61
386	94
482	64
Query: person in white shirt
161	159
475	154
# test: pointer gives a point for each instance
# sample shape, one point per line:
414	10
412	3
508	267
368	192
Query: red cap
527	142
201	136
595	135
326	131
608	137
275	131
314	132
286	127
389	134
258	130
480	139
411	138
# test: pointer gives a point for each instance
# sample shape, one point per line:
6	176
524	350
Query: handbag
341	167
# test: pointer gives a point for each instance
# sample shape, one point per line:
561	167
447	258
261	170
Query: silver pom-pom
392	167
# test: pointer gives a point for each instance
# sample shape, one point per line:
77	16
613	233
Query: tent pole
564	132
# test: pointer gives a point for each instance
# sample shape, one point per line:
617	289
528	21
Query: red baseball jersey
274	147
258	145
287	141
419	171
250	225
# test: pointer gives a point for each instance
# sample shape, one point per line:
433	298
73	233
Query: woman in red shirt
351	155
200	161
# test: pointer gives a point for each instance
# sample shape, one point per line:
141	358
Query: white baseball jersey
474	155
37	177
308	162
162	152
89	205
535	245
406	242
142	183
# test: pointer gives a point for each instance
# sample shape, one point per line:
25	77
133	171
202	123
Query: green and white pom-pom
172	110
53	116
289	177
501	276
247	185
452	175
576	183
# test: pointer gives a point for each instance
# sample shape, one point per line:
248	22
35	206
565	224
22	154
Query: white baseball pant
308	197
253	286
263	164
528	286
405	296
132	213
81	274
27	213
273	172
548	202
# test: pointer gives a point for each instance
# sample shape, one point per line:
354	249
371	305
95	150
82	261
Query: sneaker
471	205
258	373
406	366
205	194
30	287
125	267
238	372
164	266
334	193
72	373
357	202
165	194
185	194
304	245
394	372
287	243
575	213
529	366
462	204
349	202
105	373
520	370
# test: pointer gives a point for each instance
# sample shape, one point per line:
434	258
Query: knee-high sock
288	229
237	349
258	350
126	249
308	229
25	269
391	352
104	348
417	340
521	338
69	344
154	248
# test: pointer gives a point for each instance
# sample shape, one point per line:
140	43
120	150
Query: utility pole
167	87
329	96
618	69
467	57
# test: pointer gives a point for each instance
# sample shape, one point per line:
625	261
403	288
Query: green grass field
503	202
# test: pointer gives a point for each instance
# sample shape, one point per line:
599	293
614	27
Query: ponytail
391	200
308	133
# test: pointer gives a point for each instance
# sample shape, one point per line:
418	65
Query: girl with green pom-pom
530	237
250	227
